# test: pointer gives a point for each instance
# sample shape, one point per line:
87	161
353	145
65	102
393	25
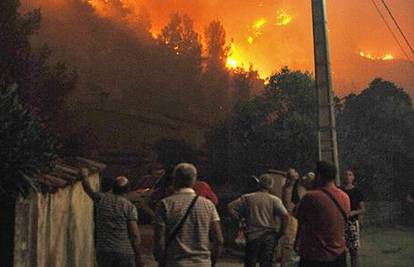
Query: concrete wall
55	229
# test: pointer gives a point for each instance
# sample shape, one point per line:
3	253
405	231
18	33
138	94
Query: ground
388	247
381	247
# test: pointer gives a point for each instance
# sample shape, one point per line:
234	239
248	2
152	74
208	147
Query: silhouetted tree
180	39
216	48
376	139
245	84
182	48
25	149
42	85
144	25
275	129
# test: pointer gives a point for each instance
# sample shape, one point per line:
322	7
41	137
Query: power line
398	26
392	33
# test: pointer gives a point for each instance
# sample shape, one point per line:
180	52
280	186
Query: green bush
25	147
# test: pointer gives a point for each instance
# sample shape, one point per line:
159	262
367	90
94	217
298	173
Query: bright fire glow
256	30
231	63
283	18
250	39
234	58
259	23
268	34
369	56
388	57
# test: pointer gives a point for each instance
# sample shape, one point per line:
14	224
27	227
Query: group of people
312	217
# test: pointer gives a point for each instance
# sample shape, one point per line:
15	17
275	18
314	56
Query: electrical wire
398	26
392	33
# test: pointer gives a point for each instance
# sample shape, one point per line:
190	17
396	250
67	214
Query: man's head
185	175
308	179
325	172
157	170
349	177
121	185
291	176
266	182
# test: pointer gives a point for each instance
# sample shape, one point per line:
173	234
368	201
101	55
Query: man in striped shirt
190	246
117	234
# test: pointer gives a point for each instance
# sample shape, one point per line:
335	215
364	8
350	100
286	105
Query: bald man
117	234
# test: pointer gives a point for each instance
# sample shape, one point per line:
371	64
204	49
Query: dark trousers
262	250
340	261
111	259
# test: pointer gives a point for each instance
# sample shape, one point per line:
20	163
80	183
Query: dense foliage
273	130
43	85
278	129
376	139
35	98
25	147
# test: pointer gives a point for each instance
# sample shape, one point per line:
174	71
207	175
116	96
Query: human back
260	211
112	215
325	226
184	223
118	241
191	245
321	221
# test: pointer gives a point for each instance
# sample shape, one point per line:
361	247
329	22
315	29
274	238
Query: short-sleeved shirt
261	210
111	223
356	197
322	232
191	246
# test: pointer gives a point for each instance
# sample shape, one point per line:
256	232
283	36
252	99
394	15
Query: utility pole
328	145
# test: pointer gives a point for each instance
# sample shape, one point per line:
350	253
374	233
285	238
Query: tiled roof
66	172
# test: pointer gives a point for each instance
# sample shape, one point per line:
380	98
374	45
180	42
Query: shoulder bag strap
179	225
341	210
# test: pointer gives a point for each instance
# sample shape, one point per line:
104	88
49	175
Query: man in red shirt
203	189
322	226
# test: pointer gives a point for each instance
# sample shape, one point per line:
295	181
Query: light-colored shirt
112	215
261	210
191	246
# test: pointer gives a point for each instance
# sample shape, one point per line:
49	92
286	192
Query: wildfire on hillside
233	59
265	33
283	18
256	30
370	56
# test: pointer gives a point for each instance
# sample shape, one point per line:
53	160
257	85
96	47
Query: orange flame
283	18
386	57
235	59
259	23
270	34
232	61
